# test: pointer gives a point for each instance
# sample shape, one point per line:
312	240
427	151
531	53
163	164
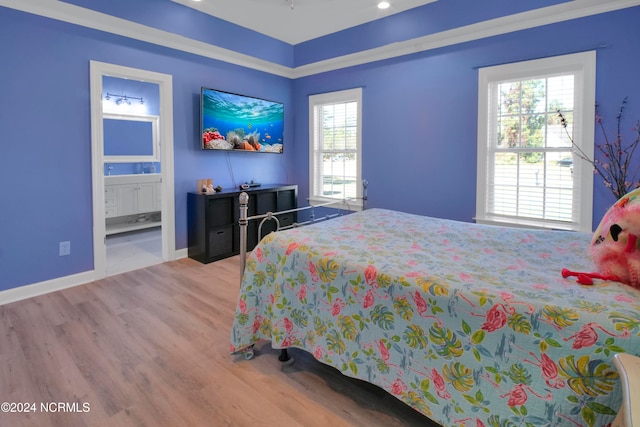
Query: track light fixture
123	99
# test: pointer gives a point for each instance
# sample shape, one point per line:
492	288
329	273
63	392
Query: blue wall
420	111
45	178
421	21
419	130
176	18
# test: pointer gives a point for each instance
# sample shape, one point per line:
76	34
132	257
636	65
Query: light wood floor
151	348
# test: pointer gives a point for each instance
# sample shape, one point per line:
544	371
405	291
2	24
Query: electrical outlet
65	248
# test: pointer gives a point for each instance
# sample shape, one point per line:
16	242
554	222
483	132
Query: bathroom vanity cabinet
132	202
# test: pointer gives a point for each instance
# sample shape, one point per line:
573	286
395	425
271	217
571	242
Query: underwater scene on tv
237	122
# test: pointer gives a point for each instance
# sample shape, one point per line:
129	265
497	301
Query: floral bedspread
471	325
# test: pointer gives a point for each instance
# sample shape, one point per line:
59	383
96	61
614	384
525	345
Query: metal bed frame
271	216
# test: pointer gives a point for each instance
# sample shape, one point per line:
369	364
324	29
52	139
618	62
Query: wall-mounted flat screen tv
235	122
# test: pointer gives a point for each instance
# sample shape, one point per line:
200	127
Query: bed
469	324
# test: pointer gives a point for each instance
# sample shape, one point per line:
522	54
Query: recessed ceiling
296	21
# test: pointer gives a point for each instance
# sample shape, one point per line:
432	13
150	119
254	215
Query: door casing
165	83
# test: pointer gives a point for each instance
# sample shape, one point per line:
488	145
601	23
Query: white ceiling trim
91	19
298	21
494	27
73	14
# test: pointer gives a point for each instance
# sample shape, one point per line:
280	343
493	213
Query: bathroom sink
132	178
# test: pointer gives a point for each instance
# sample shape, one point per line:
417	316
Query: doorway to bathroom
132	154
133	250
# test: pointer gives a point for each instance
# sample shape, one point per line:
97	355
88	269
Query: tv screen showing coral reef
235	122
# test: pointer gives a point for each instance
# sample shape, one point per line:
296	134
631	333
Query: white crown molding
66	12
72	14
494	27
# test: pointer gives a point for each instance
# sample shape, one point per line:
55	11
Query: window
335	137
528	174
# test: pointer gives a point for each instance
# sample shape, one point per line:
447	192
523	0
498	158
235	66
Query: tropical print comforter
471	325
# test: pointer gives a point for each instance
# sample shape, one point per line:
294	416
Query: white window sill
523	223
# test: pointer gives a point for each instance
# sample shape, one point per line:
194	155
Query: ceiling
296	21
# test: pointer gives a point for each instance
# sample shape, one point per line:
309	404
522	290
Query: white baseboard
41	288
181	253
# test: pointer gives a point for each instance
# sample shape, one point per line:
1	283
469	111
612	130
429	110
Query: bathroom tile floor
133	250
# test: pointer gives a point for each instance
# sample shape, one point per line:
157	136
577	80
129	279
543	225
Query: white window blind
528	173
335	146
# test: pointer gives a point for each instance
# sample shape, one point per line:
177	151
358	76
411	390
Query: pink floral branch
615	167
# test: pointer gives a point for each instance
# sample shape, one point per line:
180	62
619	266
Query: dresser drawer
287	219
220	241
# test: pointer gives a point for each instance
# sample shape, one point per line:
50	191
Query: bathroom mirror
130	138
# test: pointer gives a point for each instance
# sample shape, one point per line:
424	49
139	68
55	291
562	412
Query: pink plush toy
614	247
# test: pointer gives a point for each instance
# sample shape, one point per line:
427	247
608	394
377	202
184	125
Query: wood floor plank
151	348
95	368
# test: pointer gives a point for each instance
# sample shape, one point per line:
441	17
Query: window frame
583	66
315	102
